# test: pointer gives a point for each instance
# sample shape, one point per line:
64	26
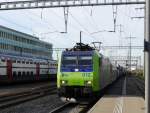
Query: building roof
25	34
9	29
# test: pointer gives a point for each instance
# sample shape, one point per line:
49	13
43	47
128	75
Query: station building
16	43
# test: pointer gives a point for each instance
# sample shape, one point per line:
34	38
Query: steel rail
61	108
18	98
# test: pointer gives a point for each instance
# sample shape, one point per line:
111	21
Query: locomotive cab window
85	60
69	60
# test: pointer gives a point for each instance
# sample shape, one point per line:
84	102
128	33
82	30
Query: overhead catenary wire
85	29
47	25
79	22
91	16
5	19
88	17
44	20
95	25
62	19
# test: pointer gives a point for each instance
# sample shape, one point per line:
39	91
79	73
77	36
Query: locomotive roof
81	47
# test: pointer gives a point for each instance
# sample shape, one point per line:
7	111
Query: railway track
18	98
141	86
63	107
72	108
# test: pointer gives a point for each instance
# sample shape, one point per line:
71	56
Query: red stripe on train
9	69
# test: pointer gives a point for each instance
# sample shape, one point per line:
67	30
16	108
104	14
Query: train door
9	69
37	71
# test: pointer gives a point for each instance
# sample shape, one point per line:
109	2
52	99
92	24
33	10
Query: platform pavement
126	102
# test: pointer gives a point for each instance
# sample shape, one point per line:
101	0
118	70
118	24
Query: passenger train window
19	73
14	73
28	73
14	61
18	61
23	73
3	60
31	73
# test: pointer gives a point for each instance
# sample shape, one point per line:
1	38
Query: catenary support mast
147	57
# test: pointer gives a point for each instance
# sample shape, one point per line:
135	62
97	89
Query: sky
48	23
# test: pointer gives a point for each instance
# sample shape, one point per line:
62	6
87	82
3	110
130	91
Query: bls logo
86	74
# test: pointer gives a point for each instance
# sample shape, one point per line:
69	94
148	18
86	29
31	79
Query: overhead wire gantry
31	4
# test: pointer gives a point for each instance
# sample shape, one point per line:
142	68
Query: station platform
123	97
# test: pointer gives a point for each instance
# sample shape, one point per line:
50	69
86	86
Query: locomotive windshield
81	62
85	60
69	60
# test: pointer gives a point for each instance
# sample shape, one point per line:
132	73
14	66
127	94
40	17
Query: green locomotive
83	72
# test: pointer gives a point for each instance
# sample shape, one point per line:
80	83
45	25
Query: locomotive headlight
63	82
88	82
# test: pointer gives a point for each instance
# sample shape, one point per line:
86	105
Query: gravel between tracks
41	105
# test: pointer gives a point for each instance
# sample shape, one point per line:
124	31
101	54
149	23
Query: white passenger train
16	69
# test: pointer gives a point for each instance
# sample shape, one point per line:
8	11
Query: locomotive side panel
96	72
